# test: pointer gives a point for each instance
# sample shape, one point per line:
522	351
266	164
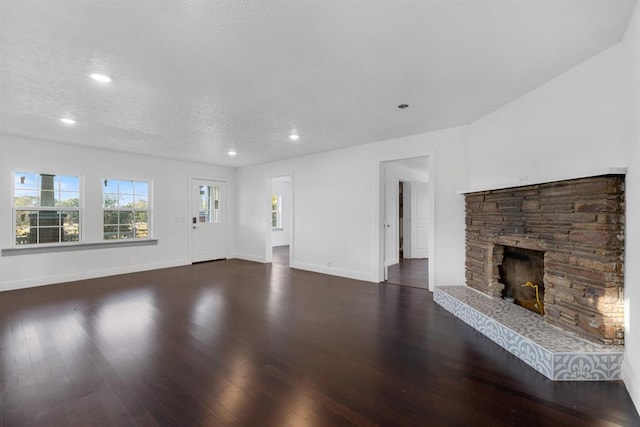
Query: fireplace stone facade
579	226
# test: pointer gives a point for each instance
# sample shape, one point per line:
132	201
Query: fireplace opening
522	273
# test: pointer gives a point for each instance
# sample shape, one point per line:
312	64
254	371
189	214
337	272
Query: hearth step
559	355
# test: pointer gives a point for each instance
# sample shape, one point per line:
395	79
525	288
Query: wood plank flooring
410	272
234	343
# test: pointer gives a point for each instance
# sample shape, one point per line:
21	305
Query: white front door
209	220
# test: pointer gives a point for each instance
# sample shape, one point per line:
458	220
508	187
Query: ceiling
192	79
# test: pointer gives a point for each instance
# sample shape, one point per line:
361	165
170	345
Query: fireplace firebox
522	273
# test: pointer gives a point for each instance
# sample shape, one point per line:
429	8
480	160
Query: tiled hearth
557	354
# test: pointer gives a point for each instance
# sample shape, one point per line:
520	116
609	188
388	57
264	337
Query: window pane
141	188
47	195
125	200
110	232
26	198
24	233
142	231
110	200
110	217
142	216
142	202
125	187
126	217
71	226
49	219
26	180
67	183
47	198
49	234
125	232
111	186
68	199
205	204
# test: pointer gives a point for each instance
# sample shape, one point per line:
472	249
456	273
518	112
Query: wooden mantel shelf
543	180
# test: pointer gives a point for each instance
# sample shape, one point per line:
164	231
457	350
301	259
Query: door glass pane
204	214
216	205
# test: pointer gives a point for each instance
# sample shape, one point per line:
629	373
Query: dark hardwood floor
410	272
240	343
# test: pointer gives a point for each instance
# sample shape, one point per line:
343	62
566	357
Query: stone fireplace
566	238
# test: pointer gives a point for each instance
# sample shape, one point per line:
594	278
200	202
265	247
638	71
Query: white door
420	220
406	220
209	220
390	218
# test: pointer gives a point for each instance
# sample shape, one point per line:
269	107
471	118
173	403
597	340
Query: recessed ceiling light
68	121
232	153
101	78
294	137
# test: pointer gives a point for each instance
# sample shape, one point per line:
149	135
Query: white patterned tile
557	354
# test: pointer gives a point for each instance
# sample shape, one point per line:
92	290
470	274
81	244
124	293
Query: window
209	209
276	211
126	209
46	208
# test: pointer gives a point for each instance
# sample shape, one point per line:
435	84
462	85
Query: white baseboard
349	274
631	381
92	274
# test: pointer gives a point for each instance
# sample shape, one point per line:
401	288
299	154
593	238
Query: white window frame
14	209
277	211
133	210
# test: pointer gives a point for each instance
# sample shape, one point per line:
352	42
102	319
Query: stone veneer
579	225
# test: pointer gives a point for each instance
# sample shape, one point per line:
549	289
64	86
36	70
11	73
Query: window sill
76	247
277	229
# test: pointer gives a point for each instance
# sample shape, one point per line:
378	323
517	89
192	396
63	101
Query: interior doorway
406	221
281	220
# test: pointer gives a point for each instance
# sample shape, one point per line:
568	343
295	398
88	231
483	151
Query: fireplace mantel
527	180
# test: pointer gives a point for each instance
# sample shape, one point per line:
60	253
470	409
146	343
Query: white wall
631	367
574	124
584	120
337	206
171	212
282	236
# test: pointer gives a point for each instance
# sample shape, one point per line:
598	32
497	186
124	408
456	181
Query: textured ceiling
192	79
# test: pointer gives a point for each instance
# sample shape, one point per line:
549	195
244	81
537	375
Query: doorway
208	220
406	221
281	220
